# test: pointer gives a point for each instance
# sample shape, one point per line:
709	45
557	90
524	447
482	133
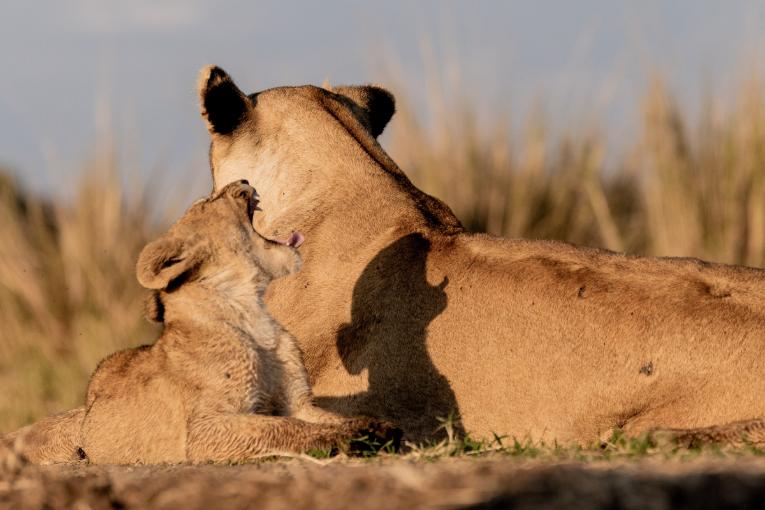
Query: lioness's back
680	339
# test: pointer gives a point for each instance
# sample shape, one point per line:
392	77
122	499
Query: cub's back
112	371
134	413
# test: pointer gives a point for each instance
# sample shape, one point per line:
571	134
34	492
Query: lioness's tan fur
223	382
402	314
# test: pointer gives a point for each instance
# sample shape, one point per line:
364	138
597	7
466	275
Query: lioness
404	315
224	382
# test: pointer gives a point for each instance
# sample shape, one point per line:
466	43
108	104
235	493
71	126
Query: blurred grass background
685	185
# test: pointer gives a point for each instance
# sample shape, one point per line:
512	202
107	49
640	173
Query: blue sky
76	69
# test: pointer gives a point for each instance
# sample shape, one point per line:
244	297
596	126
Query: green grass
618	447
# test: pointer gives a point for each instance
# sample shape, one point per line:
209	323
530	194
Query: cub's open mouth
253	204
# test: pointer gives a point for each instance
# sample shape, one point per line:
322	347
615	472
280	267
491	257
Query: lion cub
224	382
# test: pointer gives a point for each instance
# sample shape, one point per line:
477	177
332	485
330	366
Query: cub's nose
245	182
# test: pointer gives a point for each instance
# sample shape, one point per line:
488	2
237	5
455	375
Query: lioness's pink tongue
295	240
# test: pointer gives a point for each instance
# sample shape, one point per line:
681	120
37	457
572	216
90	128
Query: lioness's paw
373	435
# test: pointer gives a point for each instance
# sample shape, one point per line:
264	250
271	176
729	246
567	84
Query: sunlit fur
403	314
224	382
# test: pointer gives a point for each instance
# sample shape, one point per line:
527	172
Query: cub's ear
165	259
376	103
153	307
224	106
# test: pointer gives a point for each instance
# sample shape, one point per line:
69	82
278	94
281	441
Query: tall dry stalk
68	294
703	194
685	190
534	186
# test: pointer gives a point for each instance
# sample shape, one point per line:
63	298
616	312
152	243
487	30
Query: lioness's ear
224	106
164	260
377	104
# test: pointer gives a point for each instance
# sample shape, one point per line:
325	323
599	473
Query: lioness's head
240	124
215	245
296	144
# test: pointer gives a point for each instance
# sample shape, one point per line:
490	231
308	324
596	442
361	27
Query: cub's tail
51	440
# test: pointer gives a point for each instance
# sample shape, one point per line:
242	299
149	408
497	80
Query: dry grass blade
68	294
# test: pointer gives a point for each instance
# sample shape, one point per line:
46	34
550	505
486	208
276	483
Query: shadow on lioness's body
393	304
224	381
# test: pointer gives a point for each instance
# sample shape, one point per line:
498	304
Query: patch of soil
392	483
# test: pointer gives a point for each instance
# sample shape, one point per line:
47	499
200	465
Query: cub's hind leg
52	440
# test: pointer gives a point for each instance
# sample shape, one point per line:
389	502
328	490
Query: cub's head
215	245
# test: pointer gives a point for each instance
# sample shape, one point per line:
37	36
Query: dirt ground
493	482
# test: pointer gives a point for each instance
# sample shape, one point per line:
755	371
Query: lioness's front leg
240	437
739	433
